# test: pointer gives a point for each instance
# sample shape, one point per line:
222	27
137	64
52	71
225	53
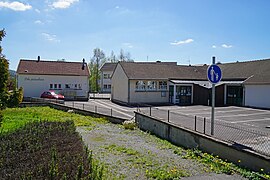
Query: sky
183	31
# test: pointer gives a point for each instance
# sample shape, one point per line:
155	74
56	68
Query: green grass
15	118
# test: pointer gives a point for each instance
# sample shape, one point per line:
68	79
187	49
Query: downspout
128	91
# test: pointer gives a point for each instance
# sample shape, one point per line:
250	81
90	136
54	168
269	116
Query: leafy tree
4	74
14	98
96	61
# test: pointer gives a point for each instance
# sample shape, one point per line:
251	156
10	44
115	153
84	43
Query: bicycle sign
214	73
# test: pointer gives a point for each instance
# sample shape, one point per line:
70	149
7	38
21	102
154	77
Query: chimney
83	64
38	58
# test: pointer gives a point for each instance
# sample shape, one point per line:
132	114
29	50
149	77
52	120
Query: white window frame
140	85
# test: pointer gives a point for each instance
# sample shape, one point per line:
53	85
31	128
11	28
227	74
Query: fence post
111	112
95	109
195	123
204	125
150	111
168	115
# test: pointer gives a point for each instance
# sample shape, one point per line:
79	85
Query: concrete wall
119	85
147	96
191	139
34	85
257	96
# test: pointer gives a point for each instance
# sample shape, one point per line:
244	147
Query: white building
242	84
68	78
105	77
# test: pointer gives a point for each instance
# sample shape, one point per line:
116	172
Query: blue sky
172	30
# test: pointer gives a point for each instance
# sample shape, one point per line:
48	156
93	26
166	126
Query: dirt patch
133	154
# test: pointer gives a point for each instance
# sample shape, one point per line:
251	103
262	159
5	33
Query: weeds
130	124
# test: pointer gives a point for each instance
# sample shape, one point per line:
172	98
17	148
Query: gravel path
133	154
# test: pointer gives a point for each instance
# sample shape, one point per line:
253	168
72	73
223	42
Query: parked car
52	95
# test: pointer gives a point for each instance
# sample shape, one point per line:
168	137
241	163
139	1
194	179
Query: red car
52	95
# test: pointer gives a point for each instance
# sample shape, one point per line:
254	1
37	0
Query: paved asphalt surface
245	127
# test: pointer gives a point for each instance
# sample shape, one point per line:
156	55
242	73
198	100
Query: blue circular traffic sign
214	73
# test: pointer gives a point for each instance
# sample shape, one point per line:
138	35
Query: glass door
184	94
235	95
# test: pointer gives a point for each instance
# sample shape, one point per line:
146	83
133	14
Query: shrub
1	117
130	124
15	97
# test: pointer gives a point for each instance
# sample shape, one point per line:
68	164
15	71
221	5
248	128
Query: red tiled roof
52	68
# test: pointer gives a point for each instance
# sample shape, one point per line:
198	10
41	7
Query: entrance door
184	95
235	95
171	93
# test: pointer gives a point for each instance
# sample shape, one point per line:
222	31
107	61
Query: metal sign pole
213	109
213	101
214	75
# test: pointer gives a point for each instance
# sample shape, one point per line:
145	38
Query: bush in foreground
46	150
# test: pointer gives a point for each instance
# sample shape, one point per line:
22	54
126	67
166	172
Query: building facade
242	84
68	78
106	72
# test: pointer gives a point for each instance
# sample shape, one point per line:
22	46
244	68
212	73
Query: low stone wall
191	139
62	107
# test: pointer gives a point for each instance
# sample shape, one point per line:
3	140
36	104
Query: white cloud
129	45
15	5
38	22
37	10
50	37
226	46
176	43
214	46
117	7
63	4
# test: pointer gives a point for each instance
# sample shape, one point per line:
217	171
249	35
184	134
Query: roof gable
108	66
53	68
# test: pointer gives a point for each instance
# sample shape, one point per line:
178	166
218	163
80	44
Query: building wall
107	82
200	95
148	96
257	96
119	85
34	85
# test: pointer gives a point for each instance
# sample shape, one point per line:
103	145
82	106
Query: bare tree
96	61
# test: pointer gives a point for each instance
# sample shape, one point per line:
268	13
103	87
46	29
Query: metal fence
242	137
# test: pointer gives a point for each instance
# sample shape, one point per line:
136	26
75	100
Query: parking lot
246	127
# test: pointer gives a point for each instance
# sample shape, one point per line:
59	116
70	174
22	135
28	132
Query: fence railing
242	137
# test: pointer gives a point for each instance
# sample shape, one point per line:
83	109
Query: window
106	76
55	86
51	86
79	86
59	86
163	93
67	86
105	86
162	85
75	86
151	85
140	85
109	86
